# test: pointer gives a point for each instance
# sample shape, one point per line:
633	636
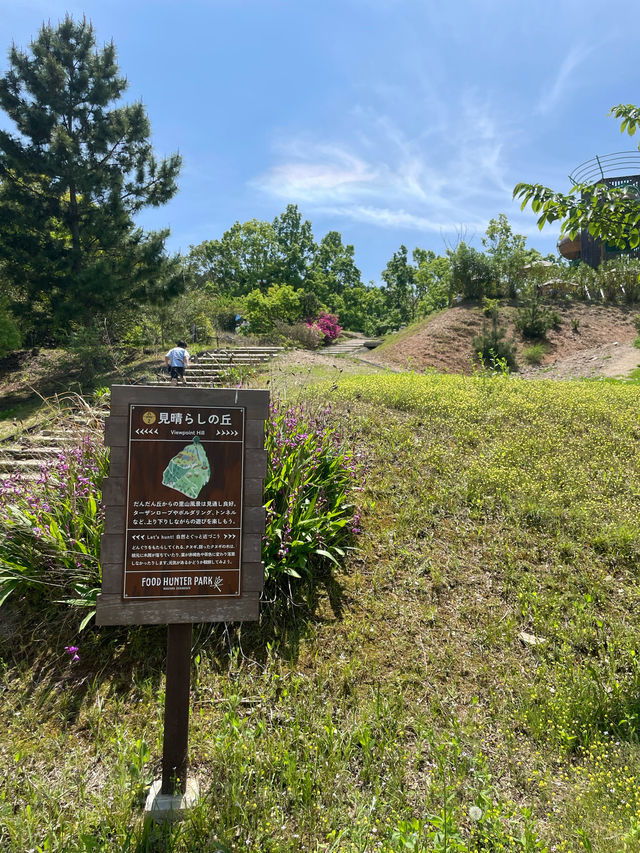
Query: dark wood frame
112	609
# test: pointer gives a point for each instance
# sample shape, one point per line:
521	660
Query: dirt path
590	341
610	360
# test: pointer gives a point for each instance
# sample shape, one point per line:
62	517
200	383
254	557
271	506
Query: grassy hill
444	341
580	346
468	681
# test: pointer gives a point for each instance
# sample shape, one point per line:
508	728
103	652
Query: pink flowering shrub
329	326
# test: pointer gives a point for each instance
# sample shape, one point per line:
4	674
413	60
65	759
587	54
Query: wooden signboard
183	506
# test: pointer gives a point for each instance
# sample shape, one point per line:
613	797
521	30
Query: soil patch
589	337
614	360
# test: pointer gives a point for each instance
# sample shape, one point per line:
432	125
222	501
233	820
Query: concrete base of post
170	807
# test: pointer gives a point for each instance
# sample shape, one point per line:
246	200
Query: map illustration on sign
189	470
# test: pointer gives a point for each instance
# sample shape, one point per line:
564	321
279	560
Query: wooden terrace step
37	452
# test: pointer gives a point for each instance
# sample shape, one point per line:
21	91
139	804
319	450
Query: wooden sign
183	506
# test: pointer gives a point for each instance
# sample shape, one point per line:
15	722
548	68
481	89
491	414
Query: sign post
183	529
175	749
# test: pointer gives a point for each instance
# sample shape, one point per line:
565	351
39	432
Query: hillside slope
444	342
474	665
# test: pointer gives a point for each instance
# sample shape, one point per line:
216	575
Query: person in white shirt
177	359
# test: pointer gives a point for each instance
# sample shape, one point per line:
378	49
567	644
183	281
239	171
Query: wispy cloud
316	171
434	180
398	218
552	96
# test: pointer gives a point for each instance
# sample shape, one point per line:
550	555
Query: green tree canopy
333	269
472	273
296	247
257	254
509	255
363	308
433	280
281	303
72	178
608	213
399	279
243	259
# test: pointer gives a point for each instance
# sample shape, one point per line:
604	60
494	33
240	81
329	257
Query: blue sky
391	121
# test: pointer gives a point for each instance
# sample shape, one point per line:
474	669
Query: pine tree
72	180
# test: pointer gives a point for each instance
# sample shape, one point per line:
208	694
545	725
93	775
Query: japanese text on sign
184	502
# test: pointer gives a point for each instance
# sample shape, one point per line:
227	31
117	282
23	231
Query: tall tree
509	255
72	179
333	269
245	258
399	278
256	254
433	281
296	247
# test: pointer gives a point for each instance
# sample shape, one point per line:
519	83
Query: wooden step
49	438
20	465
41	452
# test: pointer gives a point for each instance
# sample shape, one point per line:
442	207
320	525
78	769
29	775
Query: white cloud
443	175
397	218
312	172
552	97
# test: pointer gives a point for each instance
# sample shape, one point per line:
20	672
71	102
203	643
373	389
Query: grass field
468	681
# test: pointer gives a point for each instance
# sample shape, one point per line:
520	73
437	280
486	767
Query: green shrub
491	346
533	320
281	303
10	338
472	273
309	487
490	307
535	353
223	313
50	531
91	345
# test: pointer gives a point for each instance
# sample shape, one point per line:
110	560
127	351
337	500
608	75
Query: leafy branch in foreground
608	213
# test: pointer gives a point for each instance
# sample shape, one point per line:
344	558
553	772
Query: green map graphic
189	470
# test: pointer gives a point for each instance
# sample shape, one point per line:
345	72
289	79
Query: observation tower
620	170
